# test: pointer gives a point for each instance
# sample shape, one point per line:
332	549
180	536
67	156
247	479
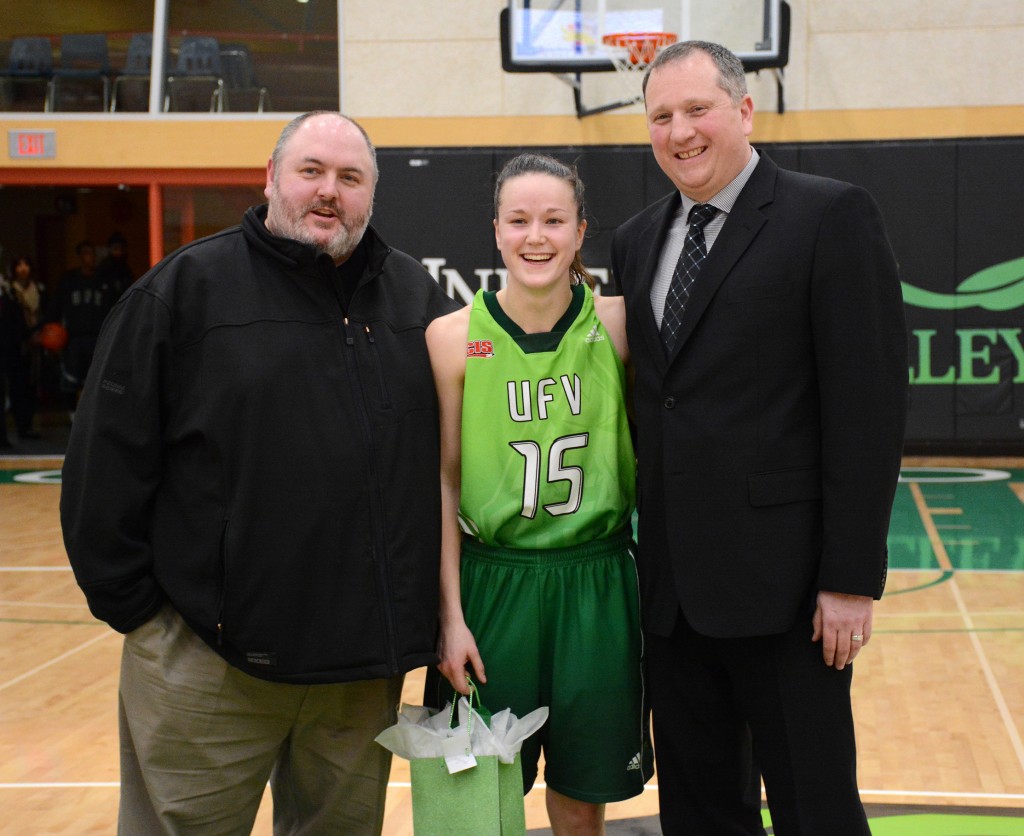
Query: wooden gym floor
939	692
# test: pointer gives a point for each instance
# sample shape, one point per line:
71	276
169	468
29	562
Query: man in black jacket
251	496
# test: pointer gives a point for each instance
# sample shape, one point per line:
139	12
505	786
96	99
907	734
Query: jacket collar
303	256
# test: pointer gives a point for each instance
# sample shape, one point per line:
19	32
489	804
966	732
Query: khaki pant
200	739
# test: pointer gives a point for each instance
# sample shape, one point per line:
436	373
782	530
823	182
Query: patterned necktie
686	272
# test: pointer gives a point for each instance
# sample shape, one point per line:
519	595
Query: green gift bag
486	800
483	800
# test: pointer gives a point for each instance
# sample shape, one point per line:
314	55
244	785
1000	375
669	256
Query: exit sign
32	145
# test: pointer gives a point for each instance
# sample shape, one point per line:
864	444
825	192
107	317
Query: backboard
566	36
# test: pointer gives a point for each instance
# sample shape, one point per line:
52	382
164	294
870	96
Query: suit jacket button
670	402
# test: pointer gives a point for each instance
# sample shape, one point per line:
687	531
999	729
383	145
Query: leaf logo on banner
996	288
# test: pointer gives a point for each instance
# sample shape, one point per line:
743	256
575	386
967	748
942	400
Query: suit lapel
647	263
740	229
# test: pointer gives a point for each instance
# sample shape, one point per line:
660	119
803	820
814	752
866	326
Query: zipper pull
369	336
348	336
220	634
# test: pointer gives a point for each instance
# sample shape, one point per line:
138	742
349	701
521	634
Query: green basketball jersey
547	459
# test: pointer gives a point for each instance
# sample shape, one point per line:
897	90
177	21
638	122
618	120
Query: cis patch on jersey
480	348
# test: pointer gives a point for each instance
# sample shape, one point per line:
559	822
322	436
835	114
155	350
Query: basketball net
631	52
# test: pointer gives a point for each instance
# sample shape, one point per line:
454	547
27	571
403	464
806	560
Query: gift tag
457	753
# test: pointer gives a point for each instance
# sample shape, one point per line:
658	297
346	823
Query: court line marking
941	555
881	631
983	614
995	796
946	564
56	660
938	632
893	570
990	796
912	631
942	578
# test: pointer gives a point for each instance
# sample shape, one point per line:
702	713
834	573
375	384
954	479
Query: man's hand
843	625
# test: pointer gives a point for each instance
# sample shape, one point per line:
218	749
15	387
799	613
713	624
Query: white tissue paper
421	732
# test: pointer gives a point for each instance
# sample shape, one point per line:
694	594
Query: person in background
765	318
113	271
539	596
24	301
6	306
80	304
250	495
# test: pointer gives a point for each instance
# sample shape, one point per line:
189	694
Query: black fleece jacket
265	457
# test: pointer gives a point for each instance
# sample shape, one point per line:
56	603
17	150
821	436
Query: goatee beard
339	247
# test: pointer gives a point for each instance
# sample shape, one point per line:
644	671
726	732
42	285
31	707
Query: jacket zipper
378	552
348	336
223	583
385	395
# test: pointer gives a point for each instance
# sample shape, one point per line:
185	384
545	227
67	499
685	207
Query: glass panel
270	55
191	212
61	70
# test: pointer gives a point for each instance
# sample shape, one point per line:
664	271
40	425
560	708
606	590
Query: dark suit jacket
769	443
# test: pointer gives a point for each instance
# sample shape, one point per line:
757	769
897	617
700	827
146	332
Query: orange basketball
53	336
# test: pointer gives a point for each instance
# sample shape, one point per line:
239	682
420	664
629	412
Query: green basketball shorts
561	628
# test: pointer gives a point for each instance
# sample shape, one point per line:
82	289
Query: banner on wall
966	347
953	223
999	288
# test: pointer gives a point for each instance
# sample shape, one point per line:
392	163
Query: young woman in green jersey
539	599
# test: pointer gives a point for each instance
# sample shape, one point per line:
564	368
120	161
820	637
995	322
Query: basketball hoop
633	51
630	54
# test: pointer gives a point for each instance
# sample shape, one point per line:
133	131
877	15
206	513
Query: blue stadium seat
83	57
137	66
198	62
31	61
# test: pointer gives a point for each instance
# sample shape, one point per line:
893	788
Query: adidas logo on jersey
634	763
479	348
595	335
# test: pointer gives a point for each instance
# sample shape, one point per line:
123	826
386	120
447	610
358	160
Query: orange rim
642	46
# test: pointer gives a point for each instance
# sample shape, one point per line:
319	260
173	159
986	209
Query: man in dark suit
771	374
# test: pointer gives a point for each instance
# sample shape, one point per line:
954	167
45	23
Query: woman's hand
457	649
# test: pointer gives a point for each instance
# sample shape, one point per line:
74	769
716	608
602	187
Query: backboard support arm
575	81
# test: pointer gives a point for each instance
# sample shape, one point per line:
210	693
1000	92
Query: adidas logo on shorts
634	763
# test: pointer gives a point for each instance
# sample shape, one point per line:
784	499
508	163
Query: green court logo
996	288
